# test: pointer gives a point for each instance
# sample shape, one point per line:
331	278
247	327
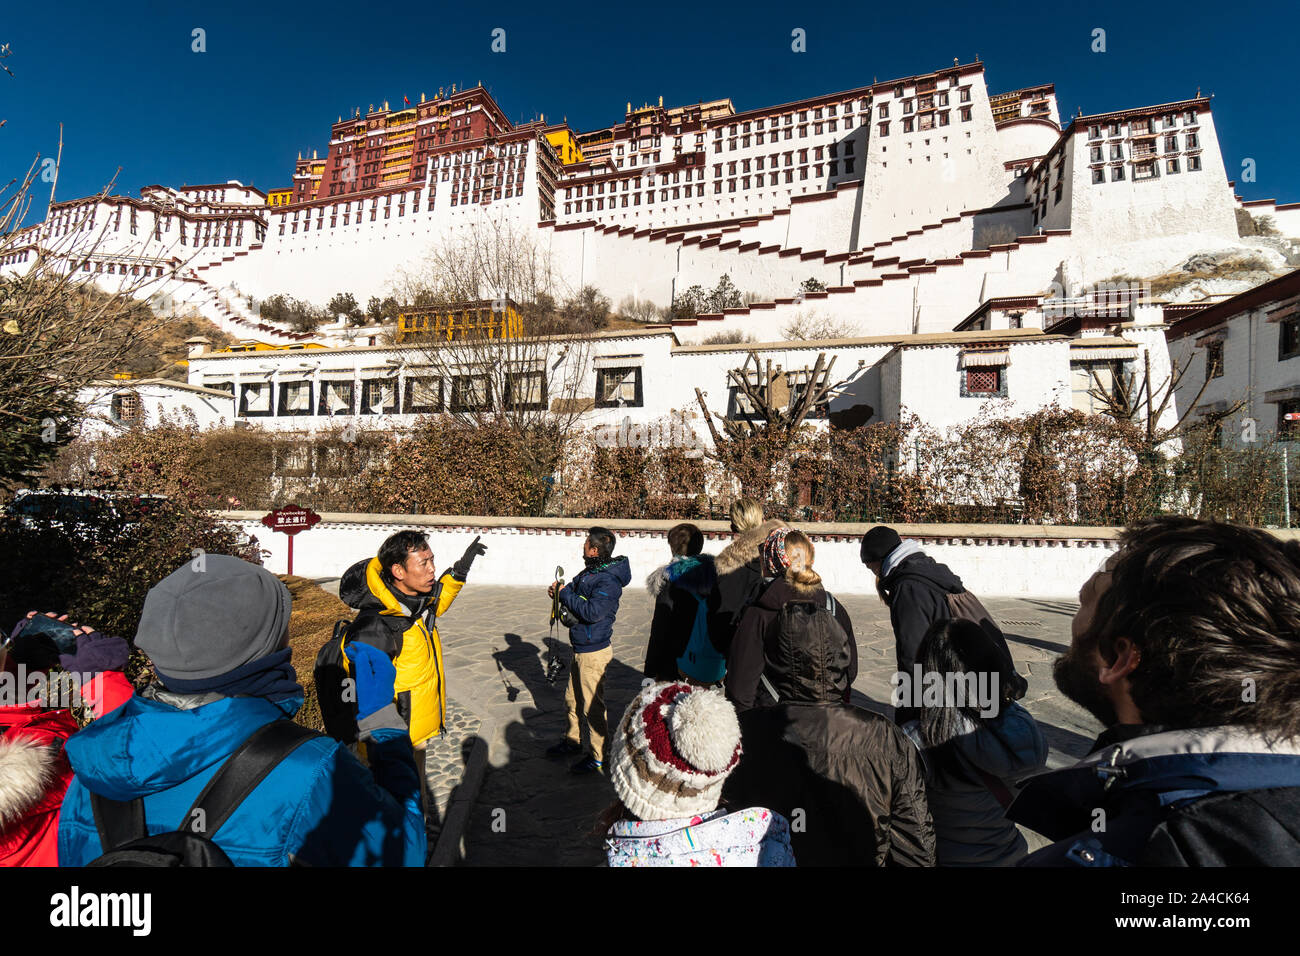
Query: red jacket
35	773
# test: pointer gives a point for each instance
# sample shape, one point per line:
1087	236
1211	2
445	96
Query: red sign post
291	520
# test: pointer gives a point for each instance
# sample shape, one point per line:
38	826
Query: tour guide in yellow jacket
397	596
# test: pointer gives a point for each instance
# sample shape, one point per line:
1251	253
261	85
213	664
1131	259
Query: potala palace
957	237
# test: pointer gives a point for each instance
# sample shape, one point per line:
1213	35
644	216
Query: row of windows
926	102
419	394
925	121
745	182
1147	170
759	139
1096	154
1146	125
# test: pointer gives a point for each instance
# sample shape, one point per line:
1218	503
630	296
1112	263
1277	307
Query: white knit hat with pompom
675	746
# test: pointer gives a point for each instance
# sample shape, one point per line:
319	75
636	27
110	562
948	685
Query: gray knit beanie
213	615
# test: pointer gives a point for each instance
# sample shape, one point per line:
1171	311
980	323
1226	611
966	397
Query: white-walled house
1243	349
647	381
119	404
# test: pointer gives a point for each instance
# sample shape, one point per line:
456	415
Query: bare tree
498	353
776	401
58	330
806	327
1136	399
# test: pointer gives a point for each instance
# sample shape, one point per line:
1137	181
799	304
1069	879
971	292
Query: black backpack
121	824
335	696
807	624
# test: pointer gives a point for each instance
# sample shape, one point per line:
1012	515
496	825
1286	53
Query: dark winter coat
740	579
970	820
677	589
1211	796
850	782
745	662
917	590
592	599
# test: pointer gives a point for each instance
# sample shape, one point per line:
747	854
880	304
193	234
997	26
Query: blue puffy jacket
592	598
320	806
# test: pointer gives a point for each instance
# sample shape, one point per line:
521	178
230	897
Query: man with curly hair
1187	646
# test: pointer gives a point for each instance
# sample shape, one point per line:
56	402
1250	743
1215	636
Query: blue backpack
701	661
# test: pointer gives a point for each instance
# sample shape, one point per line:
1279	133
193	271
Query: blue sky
130	91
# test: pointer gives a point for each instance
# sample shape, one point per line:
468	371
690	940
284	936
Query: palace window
1193	164
984	382
378	396
618	387
126	407
255	399
1088	393
1116	173
295	398
525	390
335	398
1214	359
470	393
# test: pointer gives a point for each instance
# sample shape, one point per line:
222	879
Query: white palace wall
992	560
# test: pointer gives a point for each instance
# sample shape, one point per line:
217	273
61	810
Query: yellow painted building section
251	345
279	197
566	146
472	320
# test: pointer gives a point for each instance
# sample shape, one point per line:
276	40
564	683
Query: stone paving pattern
532	811
445	759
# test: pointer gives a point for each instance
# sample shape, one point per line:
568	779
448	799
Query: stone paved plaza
531	811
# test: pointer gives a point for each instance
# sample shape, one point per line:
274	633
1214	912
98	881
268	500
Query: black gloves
461	567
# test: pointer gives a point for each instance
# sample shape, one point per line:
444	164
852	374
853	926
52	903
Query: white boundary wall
991	560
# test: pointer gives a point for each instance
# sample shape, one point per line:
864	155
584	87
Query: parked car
76	509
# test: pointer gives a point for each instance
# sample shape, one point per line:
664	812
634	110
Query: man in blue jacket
590	604
1187	646
217	631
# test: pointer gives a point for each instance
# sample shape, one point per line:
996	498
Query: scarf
272	677
896	557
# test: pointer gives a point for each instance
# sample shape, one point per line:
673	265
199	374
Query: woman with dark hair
685	593
974	739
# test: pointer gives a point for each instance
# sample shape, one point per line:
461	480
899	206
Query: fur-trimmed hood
744	547
694	573
28	772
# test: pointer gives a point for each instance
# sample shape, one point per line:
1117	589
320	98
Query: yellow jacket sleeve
450	588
